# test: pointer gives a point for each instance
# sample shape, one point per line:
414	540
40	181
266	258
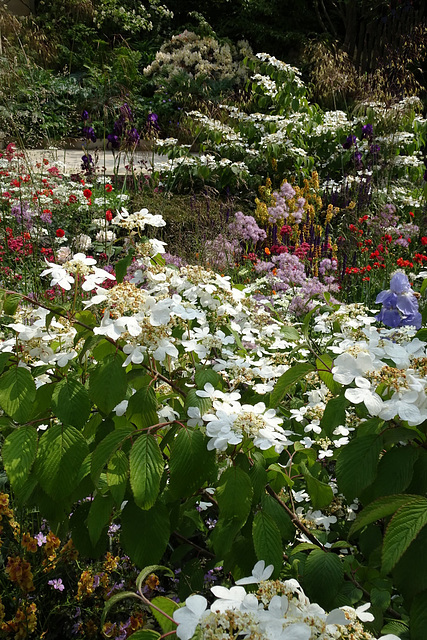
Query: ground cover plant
239	421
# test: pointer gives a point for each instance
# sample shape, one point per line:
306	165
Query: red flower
424	240
87	193
108	187
72	198
411	214
108	215
60	233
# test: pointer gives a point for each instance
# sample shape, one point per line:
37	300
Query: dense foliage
213	370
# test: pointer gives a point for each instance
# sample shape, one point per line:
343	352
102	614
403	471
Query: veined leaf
191	464
71	403
99	516
17	393
107	383
289	378
381	508
323	576
62	449
18	453
107	447
146	468
145	534
234	495
117	475
357	464
403	528
267	541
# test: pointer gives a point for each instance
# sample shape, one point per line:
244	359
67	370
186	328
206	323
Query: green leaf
107	383
403	528
207	375
146	634
154	568
17	393
334	414
381	508
283	521
289	378
117	598
71	403
396	627
99	516
107	447
122	266
117	475
18	453
142	407
62	449
320	493
4	358
289	332
234	495
146	468
193	400
10	303
323	576
325	373
145	534
267	540
80	533
357	464
191	464
418	617
168	606
395	471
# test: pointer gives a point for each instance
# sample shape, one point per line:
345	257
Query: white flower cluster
278	610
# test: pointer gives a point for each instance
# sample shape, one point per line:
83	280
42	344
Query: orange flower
19	571
267	251
29	543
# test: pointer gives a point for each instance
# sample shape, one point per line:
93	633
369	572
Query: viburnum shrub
216	432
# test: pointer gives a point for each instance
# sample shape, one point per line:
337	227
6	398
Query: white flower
259	572
165	348
188	617
59	276
363	393
362	615
227	598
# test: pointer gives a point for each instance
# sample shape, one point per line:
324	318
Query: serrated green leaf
146	466
395	471
402	529
334	414
381	508
168	606
107	447
107	383
117	475
17	393
122	266
10	303
99	516
142	407
323	576
283	521
191	464
288	379
71	403
357	464
207	375
395	627
61	451
145	534
18	453
320	493
4	358
380	598
234	495
193	400
267	541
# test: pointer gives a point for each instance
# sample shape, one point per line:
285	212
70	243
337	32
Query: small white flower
259	573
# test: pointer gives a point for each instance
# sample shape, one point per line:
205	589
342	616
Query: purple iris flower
400	305
89	133
350	141
114	140
85	115
367	131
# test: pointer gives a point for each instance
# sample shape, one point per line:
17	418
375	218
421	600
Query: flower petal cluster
278	610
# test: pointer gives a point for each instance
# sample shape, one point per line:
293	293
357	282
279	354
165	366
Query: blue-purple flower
400	305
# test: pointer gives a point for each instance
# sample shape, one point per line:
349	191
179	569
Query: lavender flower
350	141
57	584
89	133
